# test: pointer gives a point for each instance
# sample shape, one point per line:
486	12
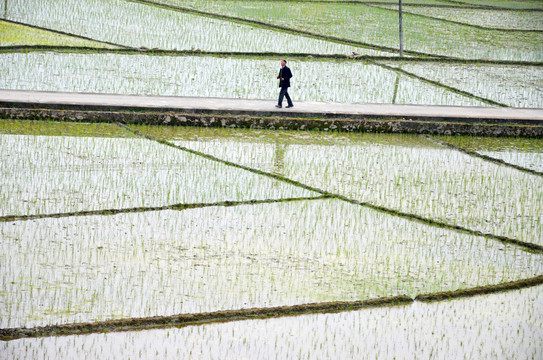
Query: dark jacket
286	74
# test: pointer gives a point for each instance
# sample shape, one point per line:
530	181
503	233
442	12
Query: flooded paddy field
259	237
154	27
379	26
211	77
407	173
85	269
524	86
340	52
523	152
111	173
112	225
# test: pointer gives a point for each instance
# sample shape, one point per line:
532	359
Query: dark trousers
284	93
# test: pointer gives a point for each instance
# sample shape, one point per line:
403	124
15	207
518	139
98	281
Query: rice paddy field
138	241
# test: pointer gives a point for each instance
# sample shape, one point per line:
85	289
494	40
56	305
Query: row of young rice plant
506	4
138	25
507	325
516	86
412	2
15	34
335	81
524	152
379	26
79	269
517	20
527	5
406	2
55	174
422	178
499	4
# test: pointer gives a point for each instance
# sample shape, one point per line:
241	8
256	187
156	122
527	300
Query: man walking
284	83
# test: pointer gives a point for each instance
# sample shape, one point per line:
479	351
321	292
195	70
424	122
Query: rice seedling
507	4
51	128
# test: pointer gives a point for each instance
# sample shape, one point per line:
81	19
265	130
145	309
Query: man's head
283	62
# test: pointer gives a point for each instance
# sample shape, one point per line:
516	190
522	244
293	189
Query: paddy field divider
257	55
453	5
181	320
178	207
481	290
272	120
488	7
439	84
223	316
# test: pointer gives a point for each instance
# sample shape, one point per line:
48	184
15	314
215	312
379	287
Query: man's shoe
279	106
289	106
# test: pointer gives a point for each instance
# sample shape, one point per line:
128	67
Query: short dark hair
284	61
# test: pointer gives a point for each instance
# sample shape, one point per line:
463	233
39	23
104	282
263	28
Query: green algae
16	34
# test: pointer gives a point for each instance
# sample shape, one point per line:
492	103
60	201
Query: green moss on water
508	4
49	128
477	143
287	137
15	34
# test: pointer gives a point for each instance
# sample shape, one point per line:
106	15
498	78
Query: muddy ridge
199	318
180	206
255	55
481	290
275	121
181	320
